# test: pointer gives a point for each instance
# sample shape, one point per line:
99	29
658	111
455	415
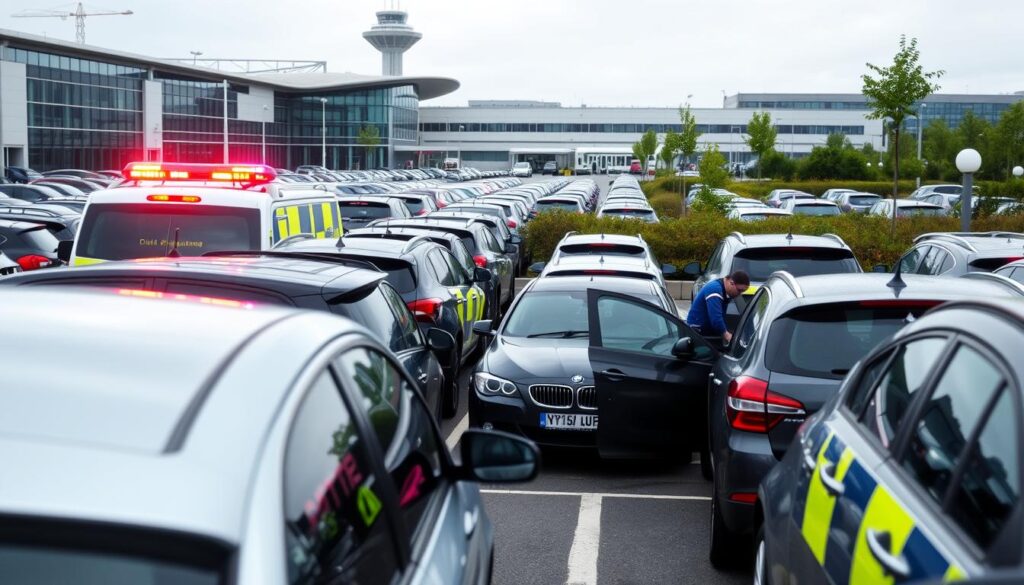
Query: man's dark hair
740	278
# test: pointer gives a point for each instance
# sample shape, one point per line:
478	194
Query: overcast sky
596	52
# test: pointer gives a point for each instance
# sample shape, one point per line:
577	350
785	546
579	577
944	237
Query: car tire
723	544
760	558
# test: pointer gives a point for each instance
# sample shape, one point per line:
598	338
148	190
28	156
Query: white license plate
568	422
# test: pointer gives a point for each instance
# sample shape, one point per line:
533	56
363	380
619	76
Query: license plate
568	422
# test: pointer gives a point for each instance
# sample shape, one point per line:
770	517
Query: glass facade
628	128
81	113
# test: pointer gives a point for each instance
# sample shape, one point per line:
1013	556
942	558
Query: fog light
488	427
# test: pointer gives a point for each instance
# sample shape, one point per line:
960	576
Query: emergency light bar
249	174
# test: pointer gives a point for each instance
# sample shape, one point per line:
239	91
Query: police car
168	209
913	472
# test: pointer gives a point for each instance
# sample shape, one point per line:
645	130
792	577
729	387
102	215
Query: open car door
651	376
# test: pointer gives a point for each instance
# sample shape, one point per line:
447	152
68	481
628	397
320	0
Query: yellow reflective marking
312	221
954	573
282	228
885	514
469	305
751	290
294	225
480	302
461	310
821	503
327	210
83	261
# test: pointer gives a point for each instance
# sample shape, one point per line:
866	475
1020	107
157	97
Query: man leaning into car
707	313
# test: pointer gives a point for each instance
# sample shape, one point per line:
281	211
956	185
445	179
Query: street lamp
323	132
920	125
1018	171
968	161
195	54
263	142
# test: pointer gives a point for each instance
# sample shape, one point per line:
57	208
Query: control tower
392	37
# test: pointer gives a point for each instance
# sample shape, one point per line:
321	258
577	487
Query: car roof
978	242
812	202
572	238
608	283
913	203
780	240
870	286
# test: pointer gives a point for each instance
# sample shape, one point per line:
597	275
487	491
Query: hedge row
680	241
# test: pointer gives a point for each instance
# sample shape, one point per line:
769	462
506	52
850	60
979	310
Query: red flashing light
751	407
743	497
151	294
174	198
426	310
33	262
248	174
480	260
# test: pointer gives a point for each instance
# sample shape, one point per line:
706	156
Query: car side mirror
516	239
692	270
482	275
880	268
683	349
498	457
668	269
484	328
510	248
440	342
538	267
64	248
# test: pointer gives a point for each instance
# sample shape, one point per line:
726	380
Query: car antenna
174	253
897	282
789	236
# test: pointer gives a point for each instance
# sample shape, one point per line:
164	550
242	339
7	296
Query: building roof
427	87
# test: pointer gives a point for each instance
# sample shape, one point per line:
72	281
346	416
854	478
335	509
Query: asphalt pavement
585	521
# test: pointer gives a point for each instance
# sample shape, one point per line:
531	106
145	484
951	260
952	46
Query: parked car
958	253
905	208
360	210
29	243
816	207
854	201
20	174
550	168
522	169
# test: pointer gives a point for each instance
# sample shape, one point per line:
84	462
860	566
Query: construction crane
79	15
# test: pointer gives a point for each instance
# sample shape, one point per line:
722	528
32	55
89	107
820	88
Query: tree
838	159
761	135
713	173
368	138
776	165
669	148
1007	145
893	92
939	147
645	148
687	141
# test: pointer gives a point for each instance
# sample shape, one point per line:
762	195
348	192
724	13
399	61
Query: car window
948	418
857	398
491	243
760	263
441	269
927	257
715	262
750	325
906	374
412	449
910	261
407	330
332	505
634	327
458	274
374	312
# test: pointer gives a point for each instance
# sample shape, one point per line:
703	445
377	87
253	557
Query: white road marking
586	542
597	495
456	434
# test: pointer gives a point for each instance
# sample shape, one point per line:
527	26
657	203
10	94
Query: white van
165	209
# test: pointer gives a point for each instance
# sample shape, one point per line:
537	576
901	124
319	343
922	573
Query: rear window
124	231
949	189
919	212
400	273
863	200
757	216
601	248
815	210
34	565
629	212
363	210
824	341
760	263
990	264
39	239
601	272
564	205
417	206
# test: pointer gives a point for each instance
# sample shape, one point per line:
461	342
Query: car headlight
487	384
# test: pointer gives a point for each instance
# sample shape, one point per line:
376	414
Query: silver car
165	438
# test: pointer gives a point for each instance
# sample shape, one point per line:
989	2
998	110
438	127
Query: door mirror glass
880	268
537	267
440	341
692	269
482	275
497	457
516	239
64	250
483	328
510	248
683	349
668	269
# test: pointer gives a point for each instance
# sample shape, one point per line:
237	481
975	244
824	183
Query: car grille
551	396
586	397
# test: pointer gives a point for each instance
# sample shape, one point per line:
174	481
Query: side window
858	397
949	418
715	262
441	269
412	449
460	276
635	327
906	374
491	243
910	261
407	328
947	263
928	257
751	323
463	256
333	528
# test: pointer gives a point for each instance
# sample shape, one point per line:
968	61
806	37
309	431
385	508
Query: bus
601	160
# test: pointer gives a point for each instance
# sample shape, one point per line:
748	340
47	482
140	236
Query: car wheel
760	559
723	549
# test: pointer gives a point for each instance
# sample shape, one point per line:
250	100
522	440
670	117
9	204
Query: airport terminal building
67	105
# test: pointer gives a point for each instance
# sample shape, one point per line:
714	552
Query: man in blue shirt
707	313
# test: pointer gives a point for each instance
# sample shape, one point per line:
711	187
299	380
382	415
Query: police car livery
913	473
164	209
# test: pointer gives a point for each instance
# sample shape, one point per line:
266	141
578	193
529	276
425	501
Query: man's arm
716	319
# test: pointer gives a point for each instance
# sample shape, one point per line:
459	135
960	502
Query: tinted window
911	261
555	314
750	325
417	206
441	269
907	372
919	212
35	565
634	327
491	243
375	313
990	487
948	419
363	210
399	273
461	278
39	239
551	205
408	332
462	256
815	210
990	264
123	231
858	397
760	263
331	502
862	200
628	212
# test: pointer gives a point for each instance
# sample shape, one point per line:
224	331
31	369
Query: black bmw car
549	375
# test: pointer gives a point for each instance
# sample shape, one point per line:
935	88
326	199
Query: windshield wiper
562	334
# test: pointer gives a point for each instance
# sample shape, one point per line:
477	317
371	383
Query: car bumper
739	469
513	415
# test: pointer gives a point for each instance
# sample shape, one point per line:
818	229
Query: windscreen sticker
369	505
166	244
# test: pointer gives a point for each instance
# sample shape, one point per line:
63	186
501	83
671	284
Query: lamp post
323	132
968	161
195	55
1018	171
920	125
263	132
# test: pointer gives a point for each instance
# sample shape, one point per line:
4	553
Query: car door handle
460	301
715	380
880	543
833	486
809	460
613	374
423	378
469	521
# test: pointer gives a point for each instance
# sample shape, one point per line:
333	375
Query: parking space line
599	495
586	542
456	434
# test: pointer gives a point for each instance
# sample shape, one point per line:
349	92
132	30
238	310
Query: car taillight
751	407
33	262
480	260
421	212
426	310
511	223
441	204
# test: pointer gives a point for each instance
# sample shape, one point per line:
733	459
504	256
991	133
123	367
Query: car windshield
864	200
122	231
549	314
824	341
760	263
816	210
919	211
990	264
31	564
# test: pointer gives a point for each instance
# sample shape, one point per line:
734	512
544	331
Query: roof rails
1009	235
316	256
836	238
739	237
28	210
416	241
790	281
293	238
1013	285
949	237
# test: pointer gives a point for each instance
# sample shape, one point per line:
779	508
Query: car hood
532	361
